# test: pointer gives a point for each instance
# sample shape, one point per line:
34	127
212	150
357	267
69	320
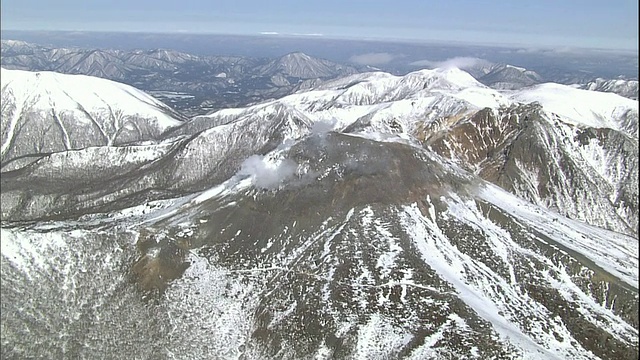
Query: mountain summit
45	112
508	77
193	84
303	66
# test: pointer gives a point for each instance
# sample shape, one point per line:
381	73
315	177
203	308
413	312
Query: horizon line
416	41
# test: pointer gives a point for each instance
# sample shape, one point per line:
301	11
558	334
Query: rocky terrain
372	216
623	87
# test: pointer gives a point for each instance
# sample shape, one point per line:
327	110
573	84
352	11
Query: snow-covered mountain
622	87
354	220
429	106
45	112
112	64
508	77
592	146
338	245
585	173
191	83
303	66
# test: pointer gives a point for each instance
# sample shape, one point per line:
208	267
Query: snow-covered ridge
580	107
576	106
15	43
614	252
626	88
45	112
48	88
347	266
440	78
303	66
426	95
395	103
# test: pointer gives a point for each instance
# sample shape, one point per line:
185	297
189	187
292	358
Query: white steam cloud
323	126
267	174
373	58
456	62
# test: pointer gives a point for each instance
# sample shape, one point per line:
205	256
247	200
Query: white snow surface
614	252
500	300
437	251
579	107
395	103
75	93
392	104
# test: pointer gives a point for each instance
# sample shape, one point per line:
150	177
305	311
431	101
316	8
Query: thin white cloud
566	50
552	51
528	50
309	34
456	62
428	63
539	50
291	34
373	58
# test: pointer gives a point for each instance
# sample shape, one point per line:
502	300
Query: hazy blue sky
609	24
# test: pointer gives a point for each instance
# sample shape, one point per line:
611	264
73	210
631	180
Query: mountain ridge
357	219
68	115
210	82
422	104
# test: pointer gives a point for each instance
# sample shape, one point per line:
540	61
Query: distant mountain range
209	82
363	216
196	85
